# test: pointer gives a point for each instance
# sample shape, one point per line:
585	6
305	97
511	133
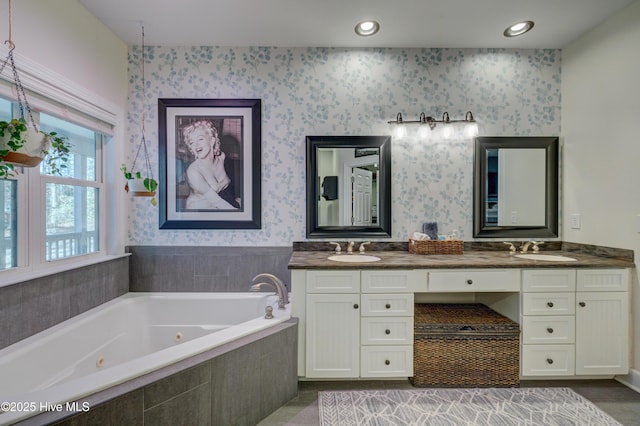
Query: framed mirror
515	187
348	186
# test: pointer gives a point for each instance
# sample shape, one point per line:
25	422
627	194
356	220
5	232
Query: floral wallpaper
338	91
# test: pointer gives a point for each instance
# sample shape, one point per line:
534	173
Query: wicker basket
436	246
464	345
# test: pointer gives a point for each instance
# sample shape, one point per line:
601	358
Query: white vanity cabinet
575	322
602	321
357	323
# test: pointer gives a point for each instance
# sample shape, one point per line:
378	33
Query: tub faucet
277	284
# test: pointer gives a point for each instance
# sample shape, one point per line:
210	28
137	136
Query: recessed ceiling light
367	28
518	29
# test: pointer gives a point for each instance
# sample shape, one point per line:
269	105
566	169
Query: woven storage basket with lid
464	345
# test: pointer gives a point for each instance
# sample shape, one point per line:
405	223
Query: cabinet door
602	333
333	335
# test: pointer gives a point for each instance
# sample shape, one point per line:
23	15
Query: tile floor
617	400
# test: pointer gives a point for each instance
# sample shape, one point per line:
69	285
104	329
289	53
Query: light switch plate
638	223
574	221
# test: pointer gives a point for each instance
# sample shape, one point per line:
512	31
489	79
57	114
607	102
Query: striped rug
457	407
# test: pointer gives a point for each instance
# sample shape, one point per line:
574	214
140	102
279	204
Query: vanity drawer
548	280
603	280
557	329
548	303
334	281
548	360
386	331
386	361
394	281
474	280
391	305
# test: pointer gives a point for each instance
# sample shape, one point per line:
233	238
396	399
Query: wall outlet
514	218
574	221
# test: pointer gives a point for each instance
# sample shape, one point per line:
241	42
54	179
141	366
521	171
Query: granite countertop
467	260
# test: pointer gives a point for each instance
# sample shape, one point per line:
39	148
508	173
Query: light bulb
471	130
400	131
447	131
424	132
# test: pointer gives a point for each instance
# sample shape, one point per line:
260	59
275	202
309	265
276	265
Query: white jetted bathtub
122	339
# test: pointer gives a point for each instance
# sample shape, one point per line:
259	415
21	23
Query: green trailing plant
16	131
150	184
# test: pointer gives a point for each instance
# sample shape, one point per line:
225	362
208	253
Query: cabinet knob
549	361
550	304
387	362
549	330
582	304
387	331
469	282
355	306
388	306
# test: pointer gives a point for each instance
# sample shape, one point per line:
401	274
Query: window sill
18	275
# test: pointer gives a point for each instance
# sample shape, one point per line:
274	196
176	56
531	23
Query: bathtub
125	338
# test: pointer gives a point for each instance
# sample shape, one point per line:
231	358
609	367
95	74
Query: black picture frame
189	174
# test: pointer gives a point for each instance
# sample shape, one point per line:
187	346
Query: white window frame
56	95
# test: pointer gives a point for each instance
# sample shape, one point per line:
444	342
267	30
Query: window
59	218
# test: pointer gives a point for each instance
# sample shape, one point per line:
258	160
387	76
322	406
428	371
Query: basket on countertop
464	345
436	246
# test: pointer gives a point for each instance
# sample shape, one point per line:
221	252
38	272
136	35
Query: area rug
456	407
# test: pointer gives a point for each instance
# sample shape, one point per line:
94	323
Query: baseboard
631	380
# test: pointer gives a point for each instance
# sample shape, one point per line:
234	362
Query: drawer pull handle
550	304
388	306
469	282
355	306
387	331
582	304
549	330
467	328
549	361
387	362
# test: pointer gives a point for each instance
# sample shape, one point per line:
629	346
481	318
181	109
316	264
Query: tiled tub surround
184	269
239	383
29	307
126	338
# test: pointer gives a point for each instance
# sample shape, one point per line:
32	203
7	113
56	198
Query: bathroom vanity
356	319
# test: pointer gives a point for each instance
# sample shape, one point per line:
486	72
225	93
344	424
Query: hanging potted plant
21	143
140	183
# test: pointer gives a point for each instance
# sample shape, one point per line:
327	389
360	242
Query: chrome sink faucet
525	246
276	283
361	249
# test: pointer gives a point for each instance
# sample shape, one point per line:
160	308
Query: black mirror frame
550	228
384	186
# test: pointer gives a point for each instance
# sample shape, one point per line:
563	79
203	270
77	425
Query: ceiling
330	23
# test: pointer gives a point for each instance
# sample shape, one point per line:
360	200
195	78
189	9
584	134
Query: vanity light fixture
427	124
367	28
518	29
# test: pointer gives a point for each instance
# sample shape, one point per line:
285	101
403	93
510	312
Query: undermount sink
354	258
548	257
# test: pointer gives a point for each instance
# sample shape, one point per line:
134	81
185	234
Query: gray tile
124	410
234	381
11	312
44	302
190	408
163	390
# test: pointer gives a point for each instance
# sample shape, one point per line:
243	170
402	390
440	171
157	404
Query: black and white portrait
210	163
